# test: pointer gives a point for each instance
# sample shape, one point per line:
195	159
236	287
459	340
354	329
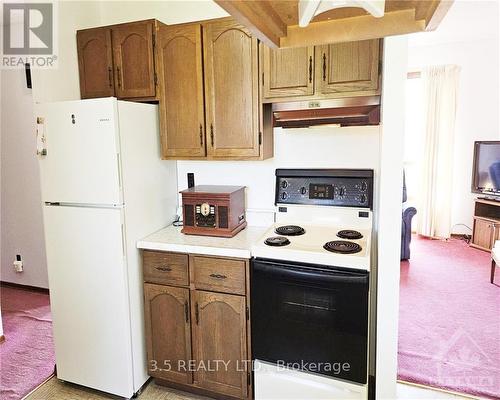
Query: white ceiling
467	20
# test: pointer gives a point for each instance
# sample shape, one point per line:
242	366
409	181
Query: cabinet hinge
249	379
260	138
247	313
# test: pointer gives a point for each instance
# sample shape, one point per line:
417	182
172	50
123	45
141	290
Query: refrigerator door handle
123	241
41	140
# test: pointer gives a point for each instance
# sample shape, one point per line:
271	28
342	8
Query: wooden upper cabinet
168	335
231	90
133	57
219	333
180	71
288	72
95	62
351	67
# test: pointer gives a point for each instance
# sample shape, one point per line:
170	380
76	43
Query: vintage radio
213	210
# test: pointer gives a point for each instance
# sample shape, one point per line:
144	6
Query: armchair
407	214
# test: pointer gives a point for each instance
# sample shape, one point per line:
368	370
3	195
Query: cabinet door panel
168	332
133	58
179	55
348	67
219	333
231	84
483	233
95	63
288	72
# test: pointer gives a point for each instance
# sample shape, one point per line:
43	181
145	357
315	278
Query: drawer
219	274
165	268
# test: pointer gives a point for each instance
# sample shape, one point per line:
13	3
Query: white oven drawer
272	382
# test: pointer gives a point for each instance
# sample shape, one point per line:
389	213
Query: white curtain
440	85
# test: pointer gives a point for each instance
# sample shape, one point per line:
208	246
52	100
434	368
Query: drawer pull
218	276
164	269
197	313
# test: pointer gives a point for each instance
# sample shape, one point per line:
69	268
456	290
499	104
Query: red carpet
27	355
449	327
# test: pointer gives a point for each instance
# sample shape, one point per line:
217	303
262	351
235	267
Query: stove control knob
284	184
342	191
362	199
284	196
303	190
363	186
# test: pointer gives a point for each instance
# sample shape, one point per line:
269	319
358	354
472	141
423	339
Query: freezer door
89	297
81	164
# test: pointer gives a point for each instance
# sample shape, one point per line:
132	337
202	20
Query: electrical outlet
18	264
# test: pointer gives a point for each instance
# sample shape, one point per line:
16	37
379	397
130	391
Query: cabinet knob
310	69
218	276
324	66
186	311
110	77
164	269
119	74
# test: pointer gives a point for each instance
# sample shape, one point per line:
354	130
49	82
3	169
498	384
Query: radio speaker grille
223	217
188	215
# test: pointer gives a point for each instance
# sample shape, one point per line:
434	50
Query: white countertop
170	238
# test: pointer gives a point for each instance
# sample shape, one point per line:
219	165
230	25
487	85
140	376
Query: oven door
310	317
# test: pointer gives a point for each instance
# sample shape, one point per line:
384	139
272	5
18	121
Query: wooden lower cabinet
168	333
197	338
220	342
486	226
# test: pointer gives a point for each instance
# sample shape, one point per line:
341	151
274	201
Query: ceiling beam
362	27
259	17
438	12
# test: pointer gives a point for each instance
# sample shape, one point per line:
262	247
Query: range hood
348	111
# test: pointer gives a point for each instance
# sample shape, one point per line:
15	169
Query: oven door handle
309	274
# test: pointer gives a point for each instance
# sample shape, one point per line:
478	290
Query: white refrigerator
104	186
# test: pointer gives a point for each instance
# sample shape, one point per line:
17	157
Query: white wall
320	147
63	83
21	212
477	109
166	11
388	214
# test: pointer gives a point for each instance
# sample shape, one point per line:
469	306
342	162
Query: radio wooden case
213	210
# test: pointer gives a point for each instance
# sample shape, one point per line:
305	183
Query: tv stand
486	227
490	198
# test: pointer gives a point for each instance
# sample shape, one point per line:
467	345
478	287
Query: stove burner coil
349	234
342	246
277	241
290	230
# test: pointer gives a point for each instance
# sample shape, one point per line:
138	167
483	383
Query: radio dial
205	209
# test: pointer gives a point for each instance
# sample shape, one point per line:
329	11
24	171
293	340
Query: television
486	168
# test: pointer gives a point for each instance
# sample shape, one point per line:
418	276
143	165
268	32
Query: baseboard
419	385
24	287
2	339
